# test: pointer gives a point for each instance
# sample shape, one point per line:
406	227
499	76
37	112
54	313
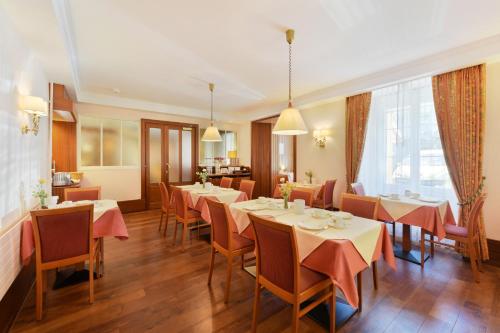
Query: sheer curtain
403	149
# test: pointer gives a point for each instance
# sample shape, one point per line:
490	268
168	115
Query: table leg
406	237
405	251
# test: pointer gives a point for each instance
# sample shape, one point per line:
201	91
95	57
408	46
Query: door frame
144	164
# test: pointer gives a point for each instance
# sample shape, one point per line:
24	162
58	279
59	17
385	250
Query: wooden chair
82	193
247	186
279	271
366	207
183	214
167	207
279	179
325	195
226	241
63	237
226	182
277	192
467	237
303	193
358	188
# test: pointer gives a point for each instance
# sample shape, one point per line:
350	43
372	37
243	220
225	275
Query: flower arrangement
40	192
203	175
286	190
309	174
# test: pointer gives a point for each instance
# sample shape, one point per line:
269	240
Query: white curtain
403	149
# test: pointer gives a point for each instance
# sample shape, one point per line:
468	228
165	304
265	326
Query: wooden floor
151	286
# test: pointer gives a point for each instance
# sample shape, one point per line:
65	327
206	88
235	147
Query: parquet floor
151	286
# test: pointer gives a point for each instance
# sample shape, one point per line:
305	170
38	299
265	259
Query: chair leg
175	232
359	280
394	232
242	261
333	303
39	294
256	301
295	317
375	275
101	255
91	279
166	224
211	268
422	248
479	256
184	232
228	277
161	221
432	245
473	263
97	263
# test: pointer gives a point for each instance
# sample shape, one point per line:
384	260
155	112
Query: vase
43	202
203	183
285	202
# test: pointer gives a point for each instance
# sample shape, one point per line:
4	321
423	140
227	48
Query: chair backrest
226	182
165	196
474	216
303	193
63	233
247	186
277	259
358	188
180	202
326	192
221	227
82	193
277	192
280	179
359	205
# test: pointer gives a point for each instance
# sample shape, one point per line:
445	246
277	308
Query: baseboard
494	251
130	206
13	300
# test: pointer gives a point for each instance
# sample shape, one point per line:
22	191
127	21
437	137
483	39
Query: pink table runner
110	223
427	217
202	206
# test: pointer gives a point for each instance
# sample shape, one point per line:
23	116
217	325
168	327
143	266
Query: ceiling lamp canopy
211	133
290	121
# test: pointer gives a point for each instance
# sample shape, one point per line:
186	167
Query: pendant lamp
211	133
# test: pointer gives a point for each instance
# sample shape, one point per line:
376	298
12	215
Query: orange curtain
459	99
357	109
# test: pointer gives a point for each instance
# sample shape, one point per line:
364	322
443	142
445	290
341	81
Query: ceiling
160	55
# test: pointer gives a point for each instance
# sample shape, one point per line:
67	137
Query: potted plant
309	175
40	193
286	190
203	175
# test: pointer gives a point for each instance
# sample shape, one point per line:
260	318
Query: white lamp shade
33	105
211	134
290	122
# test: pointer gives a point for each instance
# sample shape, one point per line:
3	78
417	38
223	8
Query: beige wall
125	183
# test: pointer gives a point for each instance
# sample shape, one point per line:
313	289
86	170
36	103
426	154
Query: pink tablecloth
202	206
426	217
110	224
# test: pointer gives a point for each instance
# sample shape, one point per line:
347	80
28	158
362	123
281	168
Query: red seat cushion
240	242
309	278
455	230
318	203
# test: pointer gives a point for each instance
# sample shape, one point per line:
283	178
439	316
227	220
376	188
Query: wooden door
261	158
170	156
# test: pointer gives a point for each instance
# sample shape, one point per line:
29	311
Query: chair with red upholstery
183	214
226	241
358	188
467	237
82	193
279	271
279	179
325	195
247	186
366	207
277	192
167	207
226	182
63	237
303	193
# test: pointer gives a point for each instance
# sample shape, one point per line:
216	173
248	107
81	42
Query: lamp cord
211	107
290	74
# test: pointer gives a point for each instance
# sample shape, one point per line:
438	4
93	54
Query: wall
125	183
23	158
329	162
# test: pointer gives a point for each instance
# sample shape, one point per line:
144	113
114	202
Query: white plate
342	215
312	226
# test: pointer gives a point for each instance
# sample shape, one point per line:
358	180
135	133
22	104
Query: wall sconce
36	107
320	137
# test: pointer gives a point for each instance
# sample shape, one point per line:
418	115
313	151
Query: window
403	147
108	142
209	151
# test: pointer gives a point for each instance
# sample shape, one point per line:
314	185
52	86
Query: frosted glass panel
173	156
91	142
130	142
111	132
154	155
186	156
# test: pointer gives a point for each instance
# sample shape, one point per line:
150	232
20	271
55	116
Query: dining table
430	214
340	251
316	188
197	195
108	222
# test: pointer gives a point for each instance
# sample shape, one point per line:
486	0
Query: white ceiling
162	54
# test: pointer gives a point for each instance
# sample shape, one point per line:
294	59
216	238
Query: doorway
169	155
